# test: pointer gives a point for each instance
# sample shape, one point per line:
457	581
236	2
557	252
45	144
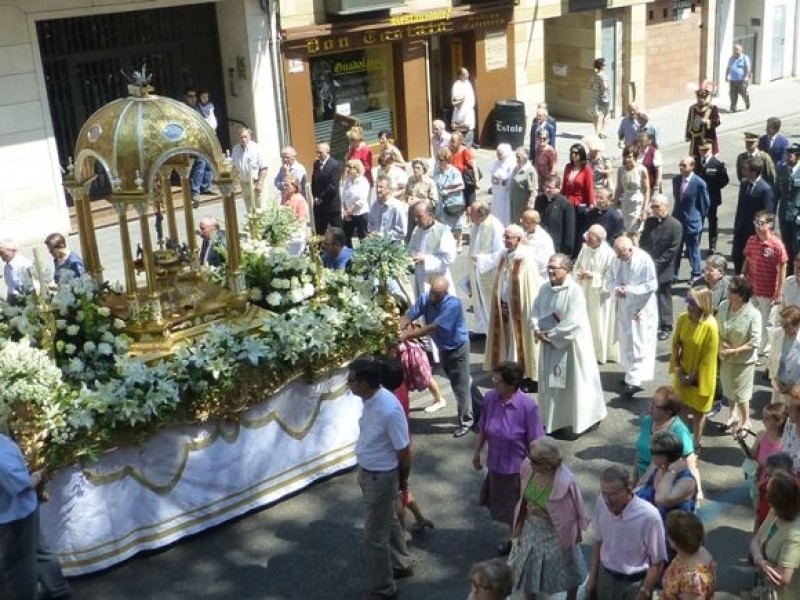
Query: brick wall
673	54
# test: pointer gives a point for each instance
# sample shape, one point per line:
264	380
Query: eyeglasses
554	268
477	585
759	223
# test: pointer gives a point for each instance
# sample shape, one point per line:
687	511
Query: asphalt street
309	546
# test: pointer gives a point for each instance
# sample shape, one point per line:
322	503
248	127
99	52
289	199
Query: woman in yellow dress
693	362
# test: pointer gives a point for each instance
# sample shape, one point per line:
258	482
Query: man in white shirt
440	138
290	166
383	453
462	86
17	272
463	119
252	167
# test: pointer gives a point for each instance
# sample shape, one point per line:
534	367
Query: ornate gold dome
134	137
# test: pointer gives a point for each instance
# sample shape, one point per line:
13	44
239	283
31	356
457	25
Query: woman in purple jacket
509	423
547	526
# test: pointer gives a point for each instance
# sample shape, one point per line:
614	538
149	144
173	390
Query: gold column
235	277
169	204
127	253
86	234
188	211
147	244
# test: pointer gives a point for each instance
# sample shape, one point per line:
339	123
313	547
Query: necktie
749	188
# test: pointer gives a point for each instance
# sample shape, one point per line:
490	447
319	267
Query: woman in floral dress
693	572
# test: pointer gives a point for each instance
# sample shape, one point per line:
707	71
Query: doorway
84	59
608	50
778	36
446	55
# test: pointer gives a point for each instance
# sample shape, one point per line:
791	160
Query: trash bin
509	123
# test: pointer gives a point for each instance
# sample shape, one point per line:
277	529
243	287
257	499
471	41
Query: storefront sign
401	27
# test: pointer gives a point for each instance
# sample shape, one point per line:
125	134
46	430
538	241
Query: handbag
471	176
454	205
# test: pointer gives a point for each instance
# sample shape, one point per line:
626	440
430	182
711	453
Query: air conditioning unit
354	7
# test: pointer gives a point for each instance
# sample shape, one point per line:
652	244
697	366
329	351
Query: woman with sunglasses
693	361
547	527
739	325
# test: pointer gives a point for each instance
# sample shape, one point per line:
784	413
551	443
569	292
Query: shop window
355	7
359	84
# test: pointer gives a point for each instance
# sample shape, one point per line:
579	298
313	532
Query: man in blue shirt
335	254
737	75
18	523
445	323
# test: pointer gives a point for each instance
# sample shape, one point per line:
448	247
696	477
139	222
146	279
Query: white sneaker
436	406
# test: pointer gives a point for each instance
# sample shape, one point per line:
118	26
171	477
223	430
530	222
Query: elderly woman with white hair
548	526
501	172
601	163
591	272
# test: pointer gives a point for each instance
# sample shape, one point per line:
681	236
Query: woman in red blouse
360	151
578	187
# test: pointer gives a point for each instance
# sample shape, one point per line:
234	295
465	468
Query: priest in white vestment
516	284
570	391
432	247
633	282
501	171
538	239
485	248
591	272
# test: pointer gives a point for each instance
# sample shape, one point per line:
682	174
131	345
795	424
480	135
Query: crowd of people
555	260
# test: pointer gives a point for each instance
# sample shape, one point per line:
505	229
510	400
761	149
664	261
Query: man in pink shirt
765	261
630	548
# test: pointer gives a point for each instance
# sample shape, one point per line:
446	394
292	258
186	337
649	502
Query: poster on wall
496	51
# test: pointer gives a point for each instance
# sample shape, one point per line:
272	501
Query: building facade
653	50
391	69
60	60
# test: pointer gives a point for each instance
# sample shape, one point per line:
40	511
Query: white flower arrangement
28	375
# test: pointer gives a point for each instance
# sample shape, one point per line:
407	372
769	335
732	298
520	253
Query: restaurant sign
401	27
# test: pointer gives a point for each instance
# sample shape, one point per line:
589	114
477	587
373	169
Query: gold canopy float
139	141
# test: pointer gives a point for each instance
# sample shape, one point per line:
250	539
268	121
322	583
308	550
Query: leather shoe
630	390
461	431
403	572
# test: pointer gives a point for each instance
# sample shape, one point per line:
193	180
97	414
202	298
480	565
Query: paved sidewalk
777	99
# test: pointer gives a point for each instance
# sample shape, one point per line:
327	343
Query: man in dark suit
754	195
691	207
603	213
713	171
558	216
325	190
787	192
661	239
773	142
212	251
